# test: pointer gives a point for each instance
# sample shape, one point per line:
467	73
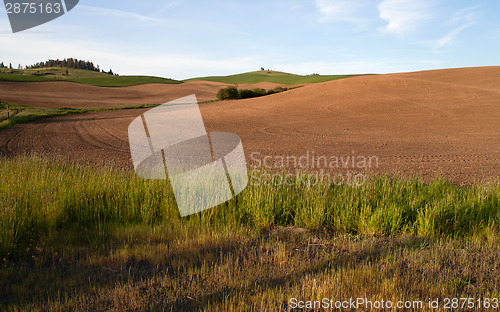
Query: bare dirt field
419	124
61	94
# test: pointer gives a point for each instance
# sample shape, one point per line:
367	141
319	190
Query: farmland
109	240
423	224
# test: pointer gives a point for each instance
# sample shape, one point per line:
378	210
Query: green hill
88	77
99	79
270	76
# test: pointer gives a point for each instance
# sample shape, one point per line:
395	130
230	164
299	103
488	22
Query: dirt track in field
418	124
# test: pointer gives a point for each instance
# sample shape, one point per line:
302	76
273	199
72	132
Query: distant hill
270	76
65	63
88	77
104	79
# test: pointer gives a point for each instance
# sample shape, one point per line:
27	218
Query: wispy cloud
448	38
340	11
119	13
167	7
404	17
460	20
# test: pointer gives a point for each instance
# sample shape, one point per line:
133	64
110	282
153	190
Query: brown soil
73	95
419	124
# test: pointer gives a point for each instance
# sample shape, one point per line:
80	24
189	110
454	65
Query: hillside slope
413	123
270	76
62	94
87	77
426	123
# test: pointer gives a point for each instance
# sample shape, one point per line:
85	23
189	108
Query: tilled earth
444	122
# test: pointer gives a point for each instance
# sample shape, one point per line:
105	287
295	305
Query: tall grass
384	205
40	195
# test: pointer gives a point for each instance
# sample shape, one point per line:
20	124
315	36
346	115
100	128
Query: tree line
65	63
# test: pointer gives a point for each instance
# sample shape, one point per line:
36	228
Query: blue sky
182	39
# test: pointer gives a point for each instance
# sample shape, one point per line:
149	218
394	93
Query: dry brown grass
243	270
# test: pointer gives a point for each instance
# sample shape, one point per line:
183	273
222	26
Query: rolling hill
418	124
87	77
270	76
95	78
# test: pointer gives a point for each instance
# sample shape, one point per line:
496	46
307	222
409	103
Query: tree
10	65
2	65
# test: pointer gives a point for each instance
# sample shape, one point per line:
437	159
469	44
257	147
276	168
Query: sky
182	39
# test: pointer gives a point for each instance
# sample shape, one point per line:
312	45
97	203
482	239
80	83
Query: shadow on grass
344	259
44	275
39	274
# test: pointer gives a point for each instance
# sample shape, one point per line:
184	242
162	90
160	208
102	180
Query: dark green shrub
232	93
246	94
277	90
259	91
229	93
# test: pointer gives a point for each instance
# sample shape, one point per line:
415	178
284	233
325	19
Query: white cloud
340	11
404	17
461	20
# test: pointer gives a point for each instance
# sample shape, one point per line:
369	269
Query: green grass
79	76
270	76
11	114
106	80
43	195
108	240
